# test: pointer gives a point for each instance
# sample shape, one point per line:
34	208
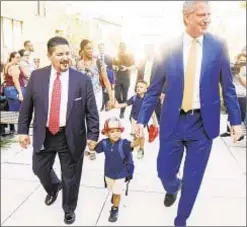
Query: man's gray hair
189	6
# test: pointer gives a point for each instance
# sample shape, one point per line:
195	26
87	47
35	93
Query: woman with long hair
91	67
14	82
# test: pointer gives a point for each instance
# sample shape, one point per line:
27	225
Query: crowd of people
15	73
180	92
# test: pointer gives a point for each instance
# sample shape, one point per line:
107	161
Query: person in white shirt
65	120
192	68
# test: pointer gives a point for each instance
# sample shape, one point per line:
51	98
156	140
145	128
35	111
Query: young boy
119	166
136	102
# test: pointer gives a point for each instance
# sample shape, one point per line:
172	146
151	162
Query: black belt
61	129
191	112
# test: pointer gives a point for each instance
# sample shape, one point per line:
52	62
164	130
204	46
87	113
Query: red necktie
55	106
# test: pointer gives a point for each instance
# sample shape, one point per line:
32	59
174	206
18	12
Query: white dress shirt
64	77
148	70
187	41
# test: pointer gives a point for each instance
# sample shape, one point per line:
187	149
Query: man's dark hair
21	52
26	42
56	41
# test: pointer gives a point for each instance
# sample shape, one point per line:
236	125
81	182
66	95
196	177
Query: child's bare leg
142	142
133	126
116	200
92	155
140	153
116	188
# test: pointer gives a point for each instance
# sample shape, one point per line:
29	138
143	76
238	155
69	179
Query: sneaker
140	153
92	156
113	214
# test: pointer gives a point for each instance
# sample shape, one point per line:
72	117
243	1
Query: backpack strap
104	144
125	162
104	147
121	150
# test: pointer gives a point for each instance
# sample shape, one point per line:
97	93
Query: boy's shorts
116	186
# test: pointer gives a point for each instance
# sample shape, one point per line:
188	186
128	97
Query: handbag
10	92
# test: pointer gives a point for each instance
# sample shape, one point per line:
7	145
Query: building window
11	33
41	8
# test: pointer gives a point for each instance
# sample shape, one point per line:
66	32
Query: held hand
236	132
115	68
123	68
91	144
20	97
103	67
110	104
139	131
116	104
24	141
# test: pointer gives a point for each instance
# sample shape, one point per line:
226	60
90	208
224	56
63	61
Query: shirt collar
188	39
54	72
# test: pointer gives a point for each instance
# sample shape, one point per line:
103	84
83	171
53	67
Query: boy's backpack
128	165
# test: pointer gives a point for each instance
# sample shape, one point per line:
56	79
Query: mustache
64	62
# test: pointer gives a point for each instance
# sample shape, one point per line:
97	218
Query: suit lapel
179	58
72	90
46	77
206	54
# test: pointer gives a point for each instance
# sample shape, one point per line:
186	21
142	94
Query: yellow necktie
189	79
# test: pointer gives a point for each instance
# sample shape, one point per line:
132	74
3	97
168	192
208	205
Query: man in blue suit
62	101
192	70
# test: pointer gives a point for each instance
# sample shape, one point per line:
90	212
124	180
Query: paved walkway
221	201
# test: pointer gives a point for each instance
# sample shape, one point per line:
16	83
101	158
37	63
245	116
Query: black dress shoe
225	134
170	199
50	199
69	218
241	138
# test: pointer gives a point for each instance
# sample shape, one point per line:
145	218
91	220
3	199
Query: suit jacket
81	110
215	69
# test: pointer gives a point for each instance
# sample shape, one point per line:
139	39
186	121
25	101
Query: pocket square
77	99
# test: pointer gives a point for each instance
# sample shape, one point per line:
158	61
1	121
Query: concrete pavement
221	201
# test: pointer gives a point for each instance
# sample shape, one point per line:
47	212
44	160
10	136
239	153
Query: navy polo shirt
114	165
136	102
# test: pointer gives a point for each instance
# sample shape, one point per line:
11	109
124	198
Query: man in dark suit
62	100
192	69
146	70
